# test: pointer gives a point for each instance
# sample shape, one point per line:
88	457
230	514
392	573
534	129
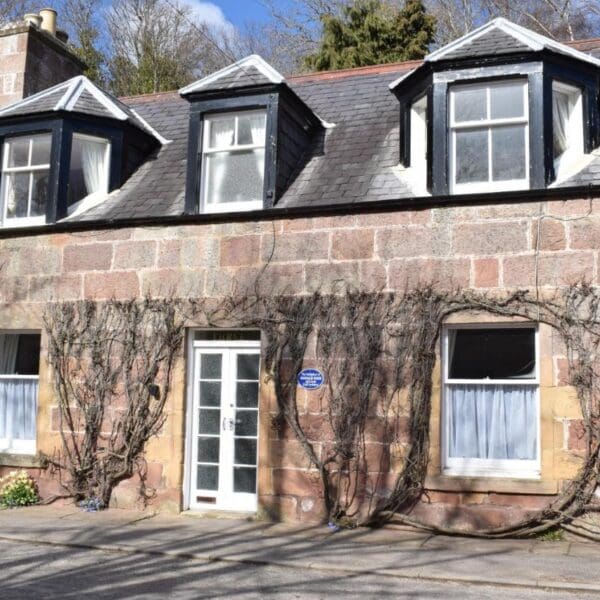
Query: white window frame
12	446
223	207
92	199
418	142
6	170
565	163
490	125
477	467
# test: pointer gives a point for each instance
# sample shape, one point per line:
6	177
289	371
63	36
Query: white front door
222	464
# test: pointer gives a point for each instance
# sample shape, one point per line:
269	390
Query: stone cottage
476	168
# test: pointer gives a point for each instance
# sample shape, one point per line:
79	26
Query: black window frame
540	70
62	130
199	110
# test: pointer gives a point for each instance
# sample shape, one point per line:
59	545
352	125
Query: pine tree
373	32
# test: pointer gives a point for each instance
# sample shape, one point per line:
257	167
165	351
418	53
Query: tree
158	46
83	21
559	19
373	32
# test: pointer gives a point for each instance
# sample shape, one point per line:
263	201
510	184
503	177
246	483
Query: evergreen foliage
370	32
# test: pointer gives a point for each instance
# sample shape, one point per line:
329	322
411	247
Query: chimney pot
33	19
48	20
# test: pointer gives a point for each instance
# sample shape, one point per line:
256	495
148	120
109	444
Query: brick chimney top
34	56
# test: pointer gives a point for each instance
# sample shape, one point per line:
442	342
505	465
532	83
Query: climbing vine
374	350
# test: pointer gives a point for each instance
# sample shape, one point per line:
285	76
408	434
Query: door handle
228	424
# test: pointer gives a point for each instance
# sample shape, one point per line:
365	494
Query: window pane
470	104
561	113
210	366
28	353
18	402
247	366
40	154
210	393
507	101
18	152
491	353
247	394
244	480
39	194
251	129
245	423
508	153
471	156
88	170
235	176
221	132
210	421
208	449
245	452
492	422
208	477
9	348
17	195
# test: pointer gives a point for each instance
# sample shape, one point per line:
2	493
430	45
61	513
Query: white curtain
257	125
561	109
492	421
9	344
93	160
18	408
222	133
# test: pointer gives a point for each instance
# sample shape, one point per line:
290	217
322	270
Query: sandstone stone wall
483	247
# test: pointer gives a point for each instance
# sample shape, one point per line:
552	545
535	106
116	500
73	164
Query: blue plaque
310	379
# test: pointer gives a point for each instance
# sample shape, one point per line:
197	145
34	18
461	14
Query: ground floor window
491	401
19	374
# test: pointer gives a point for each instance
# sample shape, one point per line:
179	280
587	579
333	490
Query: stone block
412	242
486	272
88	257
294	247
117	284
443	273
481	239
294	482
134	255
238	251
552	235
352	244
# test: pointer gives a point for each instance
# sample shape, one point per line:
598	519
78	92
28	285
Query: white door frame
191	407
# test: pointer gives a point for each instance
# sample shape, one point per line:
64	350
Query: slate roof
501	36
78	95
250	71
354	161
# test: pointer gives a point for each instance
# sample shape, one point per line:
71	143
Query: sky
236	12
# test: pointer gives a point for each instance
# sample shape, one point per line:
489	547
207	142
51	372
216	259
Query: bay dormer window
489	133
25	178
567	128
233	161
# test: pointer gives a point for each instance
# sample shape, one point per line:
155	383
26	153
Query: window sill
449	483
23	461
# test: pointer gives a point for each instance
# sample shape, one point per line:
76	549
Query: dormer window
233	161
567	127
489	137
88	171
25	176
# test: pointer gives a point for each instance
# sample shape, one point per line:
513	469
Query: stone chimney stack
34	56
